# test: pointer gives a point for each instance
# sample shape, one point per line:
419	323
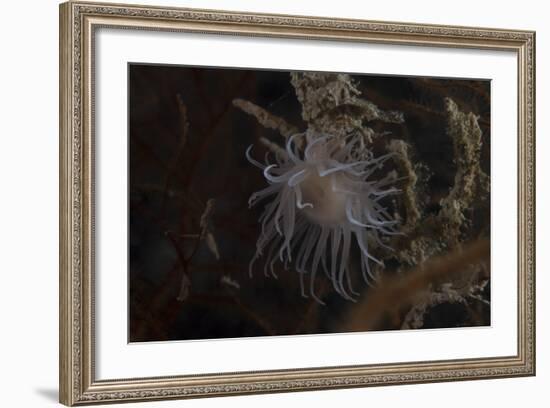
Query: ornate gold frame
78	22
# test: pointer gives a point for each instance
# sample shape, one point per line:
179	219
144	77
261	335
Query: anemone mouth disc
328	202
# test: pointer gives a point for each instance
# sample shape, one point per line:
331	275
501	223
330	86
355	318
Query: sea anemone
322	196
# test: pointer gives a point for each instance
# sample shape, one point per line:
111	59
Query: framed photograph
256	203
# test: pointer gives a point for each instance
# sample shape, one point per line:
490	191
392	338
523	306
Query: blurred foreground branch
394	293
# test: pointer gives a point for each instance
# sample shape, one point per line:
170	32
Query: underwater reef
306	202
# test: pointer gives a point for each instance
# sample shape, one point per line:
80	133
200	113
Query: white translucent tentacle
251	160
299	203
291	153
319	251
297	178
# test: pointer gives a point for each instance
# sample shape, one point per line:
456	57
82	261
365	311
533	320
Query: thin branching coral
320	199
332	103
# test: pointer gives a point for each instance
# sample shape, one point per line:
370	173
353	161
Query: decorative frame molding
78	21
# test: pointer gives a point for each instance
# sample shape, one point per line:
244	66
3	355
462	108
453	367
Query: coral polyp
324	197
